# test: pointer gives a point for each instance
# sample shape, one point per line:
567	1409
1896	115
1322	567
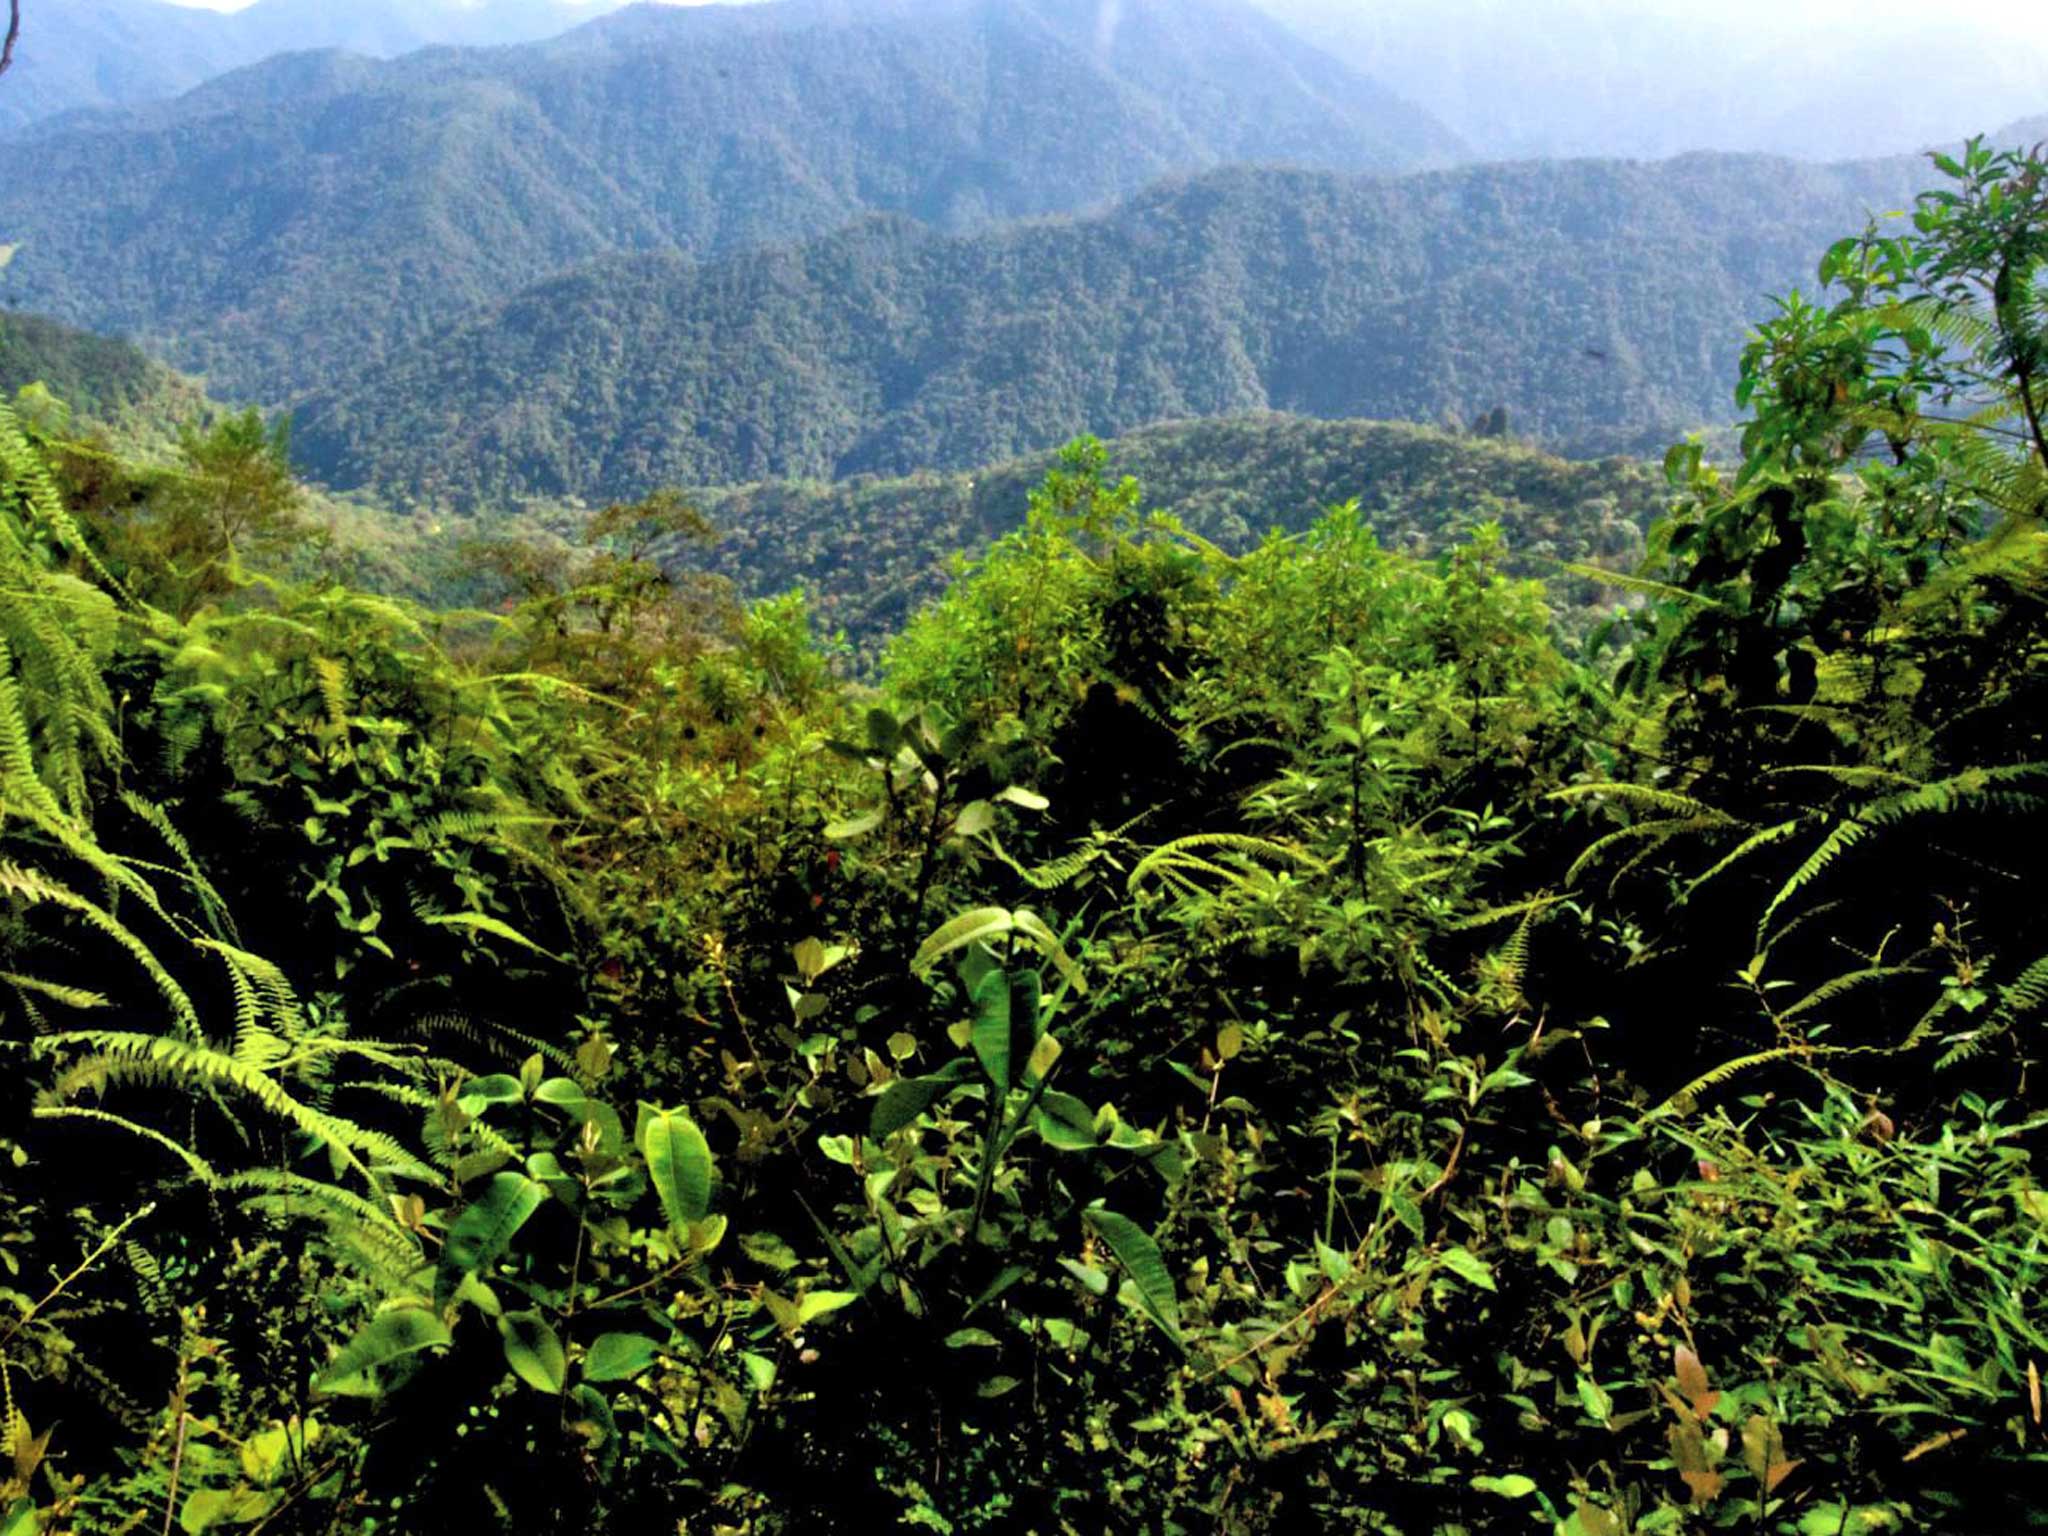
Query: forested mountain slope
1601	303
108	385
298	218
869	552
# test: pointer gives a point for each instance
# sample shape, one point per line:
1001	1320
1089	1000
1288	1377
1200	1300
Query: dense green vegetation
868	553
289	223
1599	303
1244	1042
111	385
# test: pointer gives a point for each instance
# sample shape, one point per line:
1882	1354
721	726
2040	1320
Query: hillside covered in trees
1600	303
1225	1035
110	385
283	224
870	552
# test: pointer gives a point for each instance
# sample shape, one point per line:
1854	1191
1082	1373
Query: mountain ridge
1598	302
292	221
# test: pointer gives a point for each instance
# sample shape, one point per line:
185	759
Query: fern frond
196	1165
1755	842
1535	905
68	997
118	1054
29	886
1642	586
1829	990
1190	853
1654	834
1683	1100
1639	797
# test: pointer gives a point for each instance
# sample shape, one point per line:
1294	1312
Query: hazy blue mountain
85	54
288	222
1601	303
1818	79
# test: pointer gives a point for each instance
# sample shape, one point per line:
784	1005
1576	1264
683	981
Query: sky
237	5
1811	15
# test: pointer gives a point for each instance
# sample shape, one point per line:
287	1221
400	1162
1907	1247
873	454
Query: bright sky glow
2018	15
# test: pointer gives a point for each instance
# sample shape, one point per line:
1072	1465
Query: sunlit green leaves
678	1161
533	1350
362	1367
485	1229
619	1357
1139	1255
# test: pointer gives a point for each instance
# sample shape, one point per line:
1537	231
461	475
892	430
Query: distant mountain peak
309	213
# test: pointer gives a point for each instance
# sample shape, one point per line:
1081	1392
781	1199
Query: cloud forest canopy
1600	303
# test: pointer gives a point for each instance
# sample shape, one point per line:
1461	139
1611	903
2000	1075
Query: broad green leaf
1025	799
1336	1264
885	733
767	1249
1065	1122
1027	1024
266	1455
679	1162
1139	1255
975	927
1093	1280
485	1229
1594	1398
1406	1211
1591	1520
592	1419
992	1028
21	1518
479	1093
210	1508
545	1169
534	1351
1834	1520
619	1357
388	1337
1033	928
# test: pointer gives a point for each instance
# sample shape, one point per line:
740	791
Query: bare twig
13	34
